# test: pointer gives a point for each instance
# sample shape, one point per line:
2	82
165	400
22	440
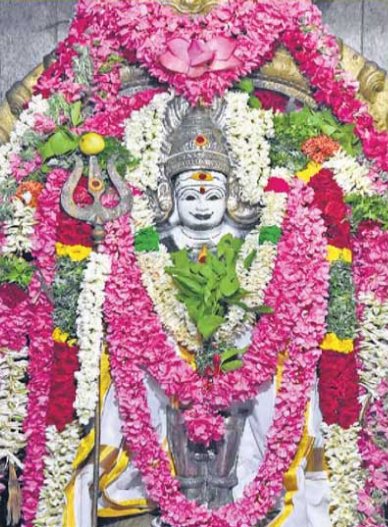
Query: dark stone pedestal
144	520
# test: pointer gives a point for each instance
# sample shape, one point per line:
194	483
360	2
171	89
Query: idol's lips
202	217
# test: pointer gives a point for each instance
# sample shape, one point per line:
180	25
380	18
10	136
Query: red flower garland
339	381
329	199
63	387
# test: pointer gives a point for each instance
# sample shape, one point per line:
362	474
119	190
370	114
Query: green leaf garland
341	318
67	285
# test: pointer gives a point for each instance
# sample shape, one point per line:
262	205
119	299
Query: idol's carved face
201	199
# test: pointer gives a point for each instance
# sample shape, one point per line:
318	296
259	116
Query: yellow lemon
92	144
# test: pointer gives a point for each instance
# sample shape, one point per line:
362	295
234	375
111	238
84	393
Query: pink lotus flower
195	57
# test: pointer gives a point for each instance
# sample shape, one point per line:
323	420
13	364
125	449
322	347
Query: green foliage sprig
341	318
147	240
110	63
83	66
124	160
16	271
246	85
66	289
294	128
207	289
374	208
61	142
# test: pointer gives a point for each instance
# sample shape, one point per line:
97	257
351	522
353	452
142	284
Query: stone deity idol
197	203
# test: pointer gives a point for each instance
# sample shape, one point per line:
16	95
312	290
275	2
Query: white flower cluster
19	229
25	122
62	448
373	350
90	334
144	134
13	403
142	213
247	131
350	175
347	477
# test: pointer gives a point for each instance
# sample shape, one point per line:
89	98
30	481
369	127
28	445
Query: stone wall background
30	29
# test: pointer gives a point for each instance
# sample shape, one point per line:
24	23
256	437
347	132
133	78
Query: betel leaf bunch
210	287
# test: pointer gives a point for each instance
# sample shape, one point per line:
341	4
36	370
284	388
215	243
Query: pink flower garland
146	32
110	122
41	344
133	327
318	56
242	34
14	321
291	296
371	257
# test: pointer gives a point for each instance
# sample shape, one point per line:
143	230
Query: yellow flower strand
63	338
334	254
76	253
309	172
332	343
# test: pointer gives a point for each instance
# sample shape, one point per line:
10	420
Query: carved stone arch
281	75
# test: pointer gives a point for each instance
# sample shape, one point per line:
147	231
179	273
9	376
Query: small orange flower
29	192
320	148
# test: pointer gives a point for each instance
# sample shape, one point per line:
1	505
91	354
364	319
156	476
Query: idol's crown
198	144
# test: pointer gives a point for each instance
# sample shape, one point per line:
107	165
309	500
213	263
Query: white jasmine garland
162	290
144	134
247	131
347	477
61	451
19	229
373	347
350	175
25	122
142	214
90	334
13	403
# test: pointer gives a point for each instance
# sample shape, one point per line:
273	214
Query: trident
98	216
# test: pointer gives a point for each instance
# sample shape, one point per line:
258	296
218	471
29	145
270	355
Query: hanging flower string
61	450
41	344
371	254
90	334
318	55
63	434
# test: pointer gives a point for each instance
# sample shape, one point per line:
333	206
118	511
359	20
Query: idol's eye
214	197
190	197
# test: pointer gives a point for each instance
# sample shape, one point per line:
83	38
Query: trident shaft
98	216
